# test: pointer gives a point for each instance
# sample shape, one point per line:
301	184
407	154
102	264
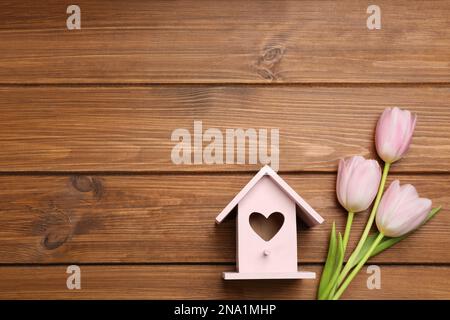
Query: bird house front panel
267	235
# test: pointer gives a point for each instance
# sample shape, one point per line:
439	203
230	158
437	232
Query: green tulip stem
358	267
358	248
348	227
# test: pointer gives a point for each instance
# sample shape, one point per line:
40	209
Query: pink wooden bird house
267	228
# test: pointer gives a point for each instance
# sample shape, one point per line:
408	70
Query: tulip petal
394	132
362	191
357	183
410	217
387	203
401	210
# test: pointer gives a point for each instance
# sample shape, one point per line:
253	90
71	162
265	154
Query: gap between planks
228	84
132	264
196	173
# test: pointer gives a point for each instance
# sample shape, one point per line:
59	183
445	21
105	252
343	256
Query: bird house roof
306	212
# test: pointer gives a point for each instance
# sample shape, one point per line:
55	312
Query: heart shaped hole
268	227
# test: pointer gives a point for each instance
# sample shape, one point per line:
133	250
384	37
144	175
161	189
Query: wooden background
86	116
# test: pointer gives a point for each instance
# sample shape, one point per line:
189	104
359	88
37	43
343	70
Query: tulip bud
401	210
357	183
394	133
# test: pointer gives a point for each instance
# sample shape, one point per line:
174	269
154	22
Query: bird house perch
267	228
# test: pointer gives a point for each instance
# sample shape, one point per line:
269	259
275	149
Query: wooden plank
204	282
129	129
224	42
171	218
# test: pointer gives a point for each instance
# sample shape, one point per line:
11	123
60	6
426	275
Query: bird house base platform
269	275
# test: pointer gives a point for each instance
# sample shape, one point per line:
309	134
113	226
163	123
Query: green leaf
432	214
338	267
339	257
366	246
389	242
329	264
385	244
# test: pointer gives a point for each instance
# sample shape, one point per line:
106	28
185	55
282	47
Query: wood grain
129	129
171	218
86	118
224	42
204	282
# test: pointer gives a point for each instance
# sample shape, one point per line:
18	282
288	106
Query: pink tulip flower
394	133
357	183
401	210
